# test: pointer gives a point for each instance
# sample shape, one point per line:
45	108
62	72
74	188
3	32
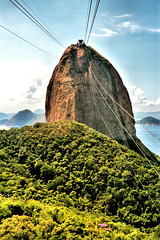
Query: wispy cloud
118	18
131	26
139	99
128	15
12	99
29	78
122	24
153	30
33	88
38	82
135	27
105	33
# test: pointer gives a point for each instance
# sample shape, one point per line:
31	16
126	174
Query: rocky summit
85	87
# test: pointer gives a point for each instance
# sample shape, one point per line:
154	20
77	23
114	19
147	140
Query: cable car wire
46	31
126	112
101	115
28	42
143	186
27	14
42	21
127	132
94	100
94	16
119	121
89	12
123	109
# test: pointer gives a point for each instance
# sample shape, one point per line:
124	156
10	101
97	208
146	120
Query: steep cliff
85	87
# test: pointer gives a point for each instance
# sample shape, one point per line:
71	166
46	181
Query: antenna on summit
81	43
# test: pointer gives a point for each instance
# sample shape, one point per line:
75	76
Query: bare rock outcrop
85	87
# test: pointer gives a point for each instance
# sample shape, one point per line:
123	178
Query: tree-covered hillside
67	181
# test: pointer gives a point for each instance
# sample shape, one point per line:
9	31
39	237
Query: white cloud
153	30
118	18
140	101
23	85
131	26
124	16
33	89
122	24
106	33
158	101
135	27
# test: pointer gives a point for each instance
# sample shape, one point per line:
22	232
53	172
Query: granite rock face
85	87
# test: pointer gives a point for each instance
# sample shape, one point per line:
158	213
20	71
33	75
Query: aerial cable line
42	21
127	132
53	37
89	12
126	111
27	14
93	74
28	42
121	149
92	96
94	16
113	99
100	113
133	168
119	145
31	19
151	133
125	128
111	91
122	124
36	21
115	103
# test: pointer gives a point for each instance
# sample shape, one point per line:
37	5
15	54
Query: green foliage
60	180
37	220
97	56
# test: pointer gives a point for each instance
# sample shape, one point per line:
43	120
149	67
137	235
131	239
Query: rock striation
85	87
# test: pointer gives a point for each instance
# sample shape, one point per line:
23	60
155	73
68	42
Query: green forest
64	180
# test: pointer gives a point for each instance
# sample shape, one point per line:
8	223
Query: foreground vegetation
66	181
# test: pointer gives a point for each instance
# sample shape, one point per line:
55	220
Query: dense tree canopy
61	180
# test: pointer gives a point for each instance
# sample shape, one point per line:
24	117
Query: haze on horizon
126	33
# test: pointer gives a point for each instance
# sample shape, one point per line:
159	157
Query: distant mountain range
150	121
3	121
6	115
22	118
141	115
27	117
39	111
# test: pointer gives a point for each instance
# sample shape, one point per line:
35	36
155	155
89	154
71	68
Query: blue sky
126	32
